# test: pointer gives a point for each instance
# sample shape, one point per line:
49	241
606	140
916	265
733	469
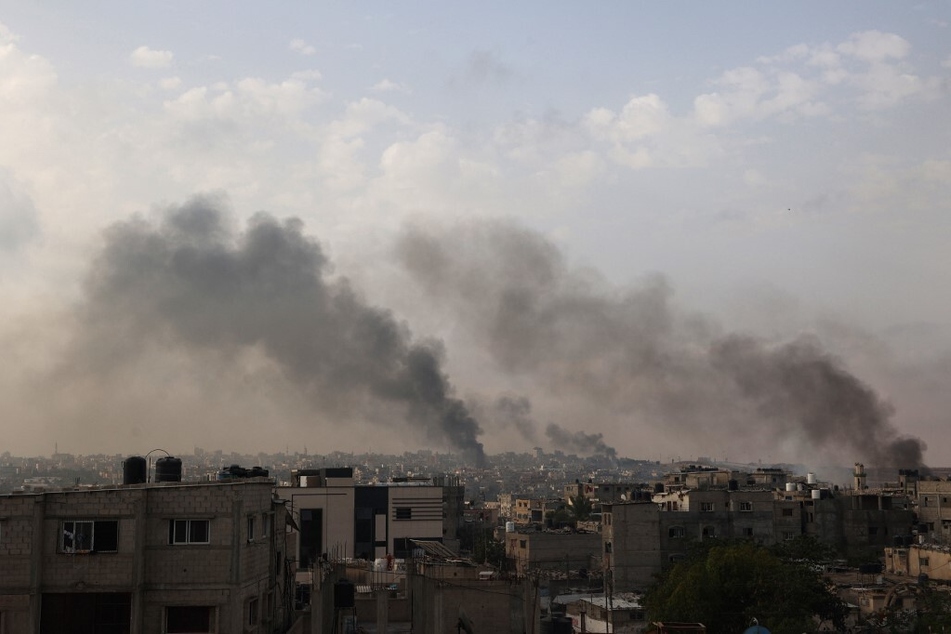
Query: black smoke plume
193	282
802	382
630	354
515	412
579	441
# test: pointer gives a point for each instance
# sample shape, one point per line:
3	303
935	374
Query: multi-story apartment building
144	559
642	538
934	509
340	519
535	510
603	491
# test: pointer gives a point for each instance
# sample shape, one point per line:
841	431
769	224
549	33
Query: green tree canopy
580	507
726	585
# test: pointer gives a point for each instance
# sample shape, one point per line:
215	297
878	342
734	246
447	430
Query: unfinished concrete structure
144	559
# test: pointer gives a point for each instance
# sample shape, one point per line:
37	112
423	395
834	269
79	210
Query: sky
664	230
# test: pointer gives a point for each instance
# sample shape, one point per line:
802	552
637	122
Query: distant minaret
859	479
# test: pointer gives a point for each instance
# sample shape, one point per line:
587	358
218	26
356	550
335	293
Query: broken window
90	536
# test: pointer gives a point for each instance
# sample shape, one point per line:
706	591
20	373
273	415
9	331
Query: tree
487	549
726	585
805	549
580	507
933	608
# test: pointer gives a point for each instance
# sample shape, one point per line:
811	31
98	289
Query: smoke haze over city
381	232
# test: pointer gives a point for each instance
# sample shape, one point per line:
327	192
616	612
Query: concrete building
640	539
933	560
534	510
603	491
552	550
631	544
339	519
857	523
144	559
620	614
934	509
698	477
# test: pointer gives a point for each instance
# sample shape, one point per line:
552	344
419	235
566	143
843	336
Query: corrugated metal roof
434	549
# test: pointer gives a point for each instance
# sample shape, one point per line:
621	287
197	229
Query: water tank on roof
258	472
168	469
561	625
134	470
510	527
810	478
790	486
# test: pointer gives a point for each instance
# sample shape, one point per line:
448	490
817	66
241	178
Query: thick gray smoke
194	283
799	380
637	358
515	412
579	441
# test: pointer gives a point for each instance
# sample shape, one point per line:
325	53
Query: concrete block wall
157	600
16	542
226	573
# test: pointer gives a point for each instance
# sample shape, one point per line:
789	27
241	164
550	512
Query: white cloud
885	86
341	162
386	85
749	93
302	47
170	83
640	117
145	57
875	46
245	99
362	115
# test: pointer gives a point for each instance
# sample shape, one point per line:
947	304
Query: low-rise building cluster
239	550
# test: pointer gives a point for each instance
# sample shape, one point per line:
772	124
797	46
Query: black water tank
134	470
168	470
344	594
258	472
561	625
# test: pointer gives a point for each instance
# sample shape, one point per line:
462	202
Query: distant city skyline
650	229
